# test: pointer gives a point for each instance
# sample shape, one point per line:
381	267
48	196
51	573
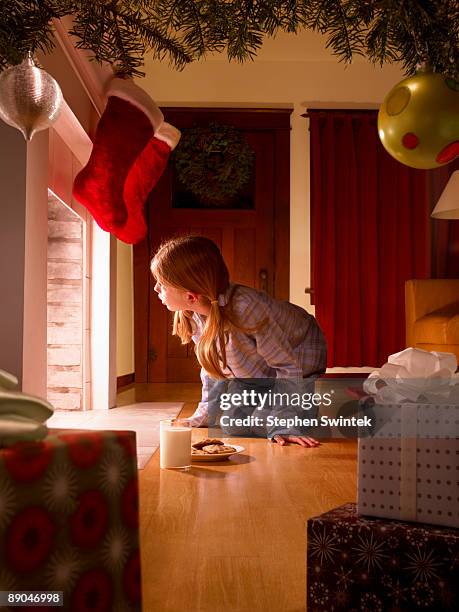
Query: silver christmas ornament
30	99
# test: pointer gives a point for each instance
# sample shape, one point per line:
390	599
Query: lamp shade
448	205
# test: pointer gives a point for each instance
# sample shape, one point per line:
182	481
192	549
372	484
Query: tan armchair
432	314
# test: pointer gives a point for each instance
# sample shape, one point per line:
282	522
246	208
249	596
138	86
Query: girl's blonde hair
194	263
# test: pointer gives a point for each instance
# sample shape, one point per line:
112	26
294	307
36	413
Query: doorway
253	238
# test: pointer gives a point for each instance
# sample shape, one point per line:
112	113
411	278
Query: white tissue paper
22	416
407	469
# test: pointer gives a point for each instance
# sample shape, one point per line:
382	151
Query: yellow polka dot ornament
418	122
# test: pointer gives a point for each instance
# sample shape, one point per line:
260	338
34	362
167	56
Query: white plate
219	456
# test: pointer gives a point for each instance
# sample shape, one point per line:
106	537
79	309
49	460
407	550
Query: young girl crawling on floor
239	332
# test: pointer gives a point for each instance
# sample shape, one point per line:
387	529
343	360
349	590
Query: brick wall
65	307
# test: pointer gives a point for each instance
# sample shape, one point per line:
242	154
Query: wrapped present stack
358	564
408	465
68	509
358	557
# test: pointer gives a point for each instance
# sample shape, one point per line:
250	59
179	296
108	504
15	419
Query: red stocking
126	162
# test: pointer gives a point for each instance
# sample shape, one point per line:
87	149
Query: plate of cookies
213	449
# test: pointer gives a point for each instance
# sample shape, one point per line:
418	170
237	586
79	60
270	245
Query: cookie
217	449
226	449
198	451
211	449
205	442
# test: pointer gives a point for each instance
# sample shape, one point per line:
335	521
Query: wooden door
253	240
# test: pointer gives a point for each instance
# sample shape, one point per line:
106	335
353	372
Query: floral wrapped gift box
69	519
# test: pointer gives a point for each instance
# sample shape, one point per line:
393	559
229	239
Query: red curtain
369	233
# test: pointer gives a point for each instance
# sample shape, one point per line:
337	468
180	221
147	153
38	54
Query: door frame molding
276	120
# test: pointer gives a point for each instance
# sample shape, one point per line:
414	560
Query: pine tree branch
121	34
124	31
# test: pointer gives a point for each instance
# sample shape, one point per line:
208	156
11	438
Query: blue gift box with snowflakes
69	519
358	564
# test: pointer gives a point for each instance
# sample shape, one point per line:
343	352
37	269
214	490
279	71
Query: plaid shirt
290	345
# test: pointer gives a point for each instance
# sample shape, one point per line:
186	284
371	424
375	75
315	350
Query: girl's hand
300	440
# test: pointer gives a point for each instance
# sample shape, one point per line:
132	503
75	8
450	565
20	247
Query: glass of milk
175	444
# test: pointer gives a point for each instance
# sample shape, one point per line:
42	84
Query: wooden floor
231	536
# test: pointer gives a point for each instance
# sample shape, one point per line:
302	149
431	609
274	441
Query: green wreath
213	162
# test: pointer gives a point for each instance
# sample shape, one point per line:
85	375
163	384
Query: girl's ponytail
211	350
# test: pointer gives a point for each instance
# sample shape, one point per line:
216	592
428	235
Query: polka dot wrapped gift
408	464
69	519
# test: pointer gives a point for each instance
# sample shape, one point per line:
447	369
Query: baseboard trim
123	381
362	375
